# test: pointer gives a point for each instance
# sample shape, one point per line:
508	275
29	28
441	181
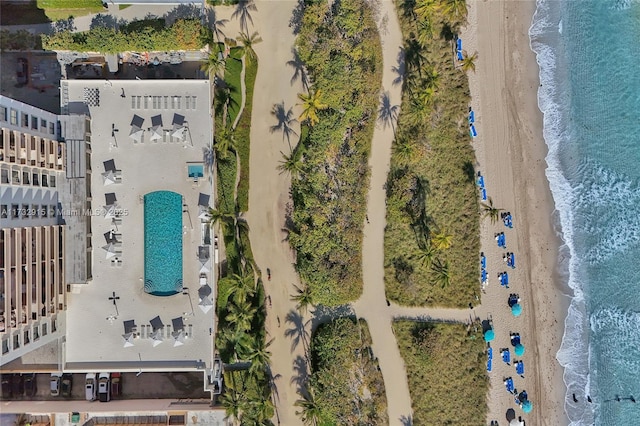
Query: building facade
32	236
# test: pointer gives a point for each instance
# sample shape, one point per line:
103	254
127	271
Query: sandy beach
511	152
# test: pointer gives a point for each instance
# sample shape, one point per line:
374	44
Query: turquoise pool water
196	170
163	243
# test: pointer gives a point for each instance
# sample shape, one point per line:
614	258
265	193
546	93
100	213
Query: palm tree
424	9
311	104
299	70
241	314
414	56
425	32
235	339
218	216
285	120
303	297
292	163
214	65
244	286
243	13
425	254
404	150
442	272
490	211
441	240
259	356
224	100
248	41
455	11
310	409
388	113
231	403
469	62
223	142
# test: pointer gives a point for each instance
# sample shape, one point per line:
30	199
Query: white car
55	383
90	386
104	387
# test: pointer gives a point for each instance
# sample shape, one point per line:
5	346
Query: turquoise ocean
589	57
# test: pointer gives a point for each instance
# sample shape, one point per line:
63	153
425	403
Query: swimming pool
163	243
195	170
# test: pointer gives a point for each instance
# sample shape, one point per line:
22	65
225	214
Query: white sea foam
553	101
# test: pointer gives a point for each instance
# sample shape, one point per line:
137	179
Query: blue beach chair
459	45
508	383
506	356
472	131
520	367
483	261
481	181
472	117
490	359
484	194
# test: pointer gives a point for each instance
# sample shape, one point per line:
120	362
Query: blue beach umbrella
519	350
527	406
516	310
489	335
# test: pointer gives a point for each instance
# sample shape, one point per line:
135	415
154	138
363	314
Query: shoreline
510	153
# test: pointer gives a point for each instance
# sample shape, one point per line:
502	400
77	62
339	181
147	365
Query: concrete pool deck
94	327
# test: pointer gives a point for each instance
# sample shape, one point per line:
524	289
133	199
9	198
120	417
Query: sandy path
372	304
510	152
269	195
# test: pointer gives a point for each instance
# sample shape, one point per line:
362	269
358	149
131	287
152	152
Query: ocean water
589	57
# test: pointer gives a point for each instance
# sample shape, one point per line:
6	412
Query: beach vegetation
302	297
346	386
445	366
338	54
241	340
137	36
432	233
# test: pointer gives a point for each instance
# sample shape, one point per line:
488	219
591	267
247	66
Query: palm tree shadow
285	120
272	382
182	11
400	68
243	13
387	113
323	314
299	70
301	374
406	420
208	159
298	330
215	24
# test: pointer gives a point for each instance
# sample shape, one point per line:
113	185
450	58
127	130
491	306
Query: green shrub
445	366
142	36
346	380
341	49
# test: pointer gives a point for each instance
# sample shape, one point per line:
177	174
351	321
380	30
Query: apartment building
32	236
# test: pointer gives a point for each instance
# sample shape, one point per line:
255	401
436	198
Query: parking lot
181	385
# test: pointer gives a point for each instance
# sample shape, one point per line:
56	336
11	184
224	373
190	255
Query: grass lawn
345	379
431	187
446	370
63	9
243	136
232	73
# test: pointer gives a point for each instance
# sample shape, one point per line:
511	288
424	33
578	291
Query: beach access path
511	151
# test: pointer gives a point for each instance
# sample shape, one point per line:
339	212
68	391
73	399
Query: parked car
116	385
90	387
67	383
22	71
55	383
17	384
104	387
30	384
6	386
